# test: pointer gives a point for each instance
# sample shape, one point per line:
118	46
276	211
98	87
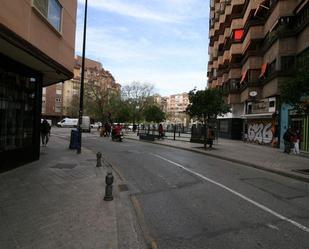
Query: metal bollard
99	156
109	179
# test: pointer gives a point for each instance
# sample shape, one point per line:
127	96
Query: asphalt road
189	200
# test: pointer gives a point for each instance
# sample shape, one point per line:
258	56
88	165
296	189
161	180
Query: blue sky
162	42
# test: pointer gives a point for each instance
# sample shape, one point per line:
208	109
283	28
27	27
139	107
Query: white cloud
169	11
166	82
171	56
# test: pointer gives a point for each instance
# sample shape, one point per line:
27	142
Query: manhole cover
302	171
122	187
64	166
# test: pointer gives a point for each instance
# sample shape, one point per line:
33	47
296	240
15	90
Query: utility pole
81	97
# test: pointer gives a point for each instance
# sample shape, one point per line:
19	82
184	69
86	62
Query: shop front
261	122
300	122
20	107
24	70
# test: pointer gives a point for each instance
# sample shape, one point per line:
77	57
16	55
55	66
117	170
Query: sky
161	42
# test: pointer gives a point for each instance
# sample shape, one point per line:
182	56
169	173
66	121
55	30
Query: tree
73	108
154	114
138	96
206	104
295	91
100	95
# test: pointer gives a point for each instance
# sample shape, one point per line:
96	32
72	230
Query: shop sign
264	106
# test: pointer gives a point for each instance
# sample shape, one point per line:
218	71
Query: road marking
272	227
266	209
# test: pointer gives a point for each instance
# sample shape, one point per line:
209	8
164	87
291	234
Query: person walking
297	139
287	137
210	136
161	131
45	131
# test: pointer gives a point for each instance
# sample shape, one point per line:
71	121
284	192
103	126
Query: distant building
175	107
62	100
37	50
254	45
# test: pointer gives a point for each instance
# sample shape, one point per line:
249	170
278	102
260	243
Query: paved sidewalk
262	157
57	202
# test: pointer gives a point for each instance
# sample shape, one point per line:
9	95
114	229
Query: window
271	69
287	63
17	109
51	10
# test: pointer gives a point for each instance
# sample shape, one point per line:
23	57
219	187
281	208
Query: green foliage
206	104
121	112
137	96
153	113
295	91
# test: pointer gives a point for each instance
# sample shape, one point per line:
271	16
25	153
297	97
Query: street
188	200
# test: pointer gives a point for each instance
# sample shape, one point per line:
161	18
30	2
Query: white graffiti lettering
260	133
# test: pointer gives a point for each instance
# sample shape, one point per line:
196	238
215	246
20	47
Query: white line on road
266	209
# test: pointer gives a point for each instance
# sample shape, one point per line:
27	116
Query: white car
96	125
68	122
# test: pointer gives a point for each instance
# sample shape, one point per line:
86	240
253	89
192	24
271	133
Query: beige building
253	47
37	40
62	100
175	107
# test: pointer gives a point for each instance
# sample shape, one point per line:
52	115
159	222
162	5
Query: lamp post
81	97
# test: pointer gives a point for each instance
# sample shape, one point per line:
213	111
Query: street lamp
81	97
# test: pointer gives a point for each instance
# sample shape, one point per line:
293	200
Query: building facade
175	108
254	45
62	100
36	49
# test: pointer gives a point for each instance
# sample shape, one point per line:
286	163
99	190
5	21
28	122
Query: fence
178	133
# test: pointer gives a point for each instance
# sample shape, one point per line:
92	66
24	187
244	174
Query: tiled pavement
57	202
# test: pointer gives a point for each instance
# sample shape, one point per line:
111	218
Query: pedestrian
287	137
45	131
296	140
210	136
161	131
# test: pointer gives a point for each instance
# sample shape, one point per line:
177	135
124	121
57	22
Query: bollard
109	179
99	156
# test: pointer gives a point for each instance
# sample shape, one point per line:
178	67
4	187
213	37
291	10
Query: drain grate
302	171
123	187
64	166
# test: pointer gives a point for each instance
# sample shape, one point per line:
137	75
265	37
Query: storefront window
17	103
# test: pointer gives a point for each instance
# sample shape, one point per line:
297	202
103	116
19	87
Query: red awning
243	77
262	5
263	69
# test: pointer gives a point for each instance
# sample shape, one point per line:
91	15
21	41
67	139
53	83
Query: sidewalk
57	202
262	157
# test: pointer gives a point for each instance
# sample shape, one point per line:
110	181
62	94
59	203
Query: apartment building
254	45
62	100
36	50
176	105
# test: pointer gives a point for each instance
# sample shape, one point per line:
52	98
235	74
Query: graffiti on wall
261	132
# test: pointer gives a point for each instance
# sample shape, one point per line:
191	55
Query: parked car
96	125
68	122
86	124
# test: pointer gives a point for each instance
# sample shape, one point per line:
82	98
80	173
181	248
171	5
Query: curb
244	163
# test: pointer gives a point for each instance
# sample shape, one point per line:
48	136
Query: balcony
284	28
